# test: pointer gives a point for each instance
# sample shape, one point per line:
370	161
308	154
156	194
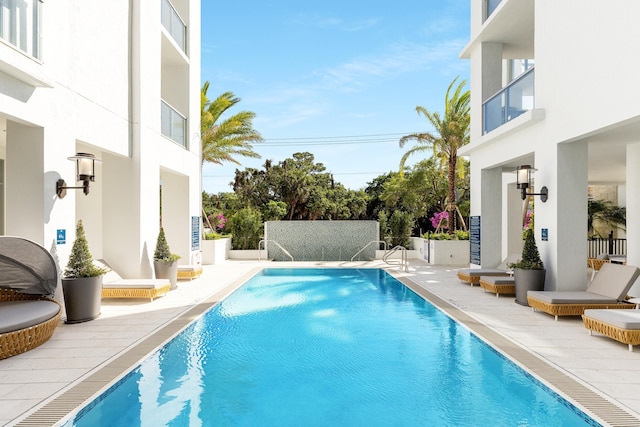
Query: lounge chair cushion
136	284
623	319
613	280
481	271
499	280
570	297
15	315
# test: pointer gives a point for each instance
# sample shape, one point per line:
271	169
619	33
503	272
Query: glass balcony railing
173	124
20	25
509	103
172	22
490	6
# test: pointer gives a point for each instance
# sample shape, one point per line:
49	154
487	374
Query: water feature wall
321	240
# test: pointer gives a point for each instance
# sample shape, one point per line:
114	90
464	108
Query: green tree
222	140
246	228
451	132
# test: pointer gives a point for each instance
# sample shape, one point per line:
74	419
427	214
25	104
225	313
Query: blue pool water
327	347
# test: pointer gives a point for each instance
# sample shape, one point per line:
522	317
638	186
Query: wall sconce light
523	180
85	172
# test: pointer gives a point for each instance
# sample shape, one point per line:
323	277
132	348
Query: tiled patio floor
76	353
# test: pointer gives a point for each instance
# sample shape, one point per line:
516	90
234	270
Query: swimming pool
321	347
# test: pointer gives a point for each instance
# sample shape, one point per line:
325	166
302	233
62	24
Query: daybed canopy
27	267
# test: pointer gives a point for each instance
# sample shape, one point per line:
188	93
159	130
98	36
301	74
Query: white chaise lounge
608	289
114	286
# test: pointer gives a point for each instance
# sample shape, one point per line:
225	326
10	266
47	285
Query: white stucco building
553	85
119	80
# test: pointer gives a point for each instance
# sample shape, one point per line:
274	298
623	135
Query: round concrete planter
528	280
167	270
82	297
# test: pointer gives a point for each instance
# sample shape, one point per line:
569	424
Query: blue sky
339	79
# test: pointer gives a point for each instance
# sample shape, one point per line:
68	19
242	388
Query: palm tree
232	137
450	133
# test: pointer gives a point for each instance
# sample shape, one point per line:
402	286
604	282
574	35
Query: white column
564	215
491	217
633	211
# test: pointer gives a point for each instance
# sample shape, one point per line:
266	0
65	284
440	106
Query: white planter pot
249	254
449	252
215	251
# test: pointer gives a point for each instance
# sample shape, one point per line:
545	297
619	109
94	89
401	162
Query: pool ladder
404	262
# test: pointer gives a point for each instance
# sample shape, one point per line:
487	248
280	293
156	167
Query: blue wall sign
545	234
61	237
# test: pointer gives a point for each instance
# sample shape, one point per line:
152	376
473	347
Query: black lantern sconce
85	172
523	179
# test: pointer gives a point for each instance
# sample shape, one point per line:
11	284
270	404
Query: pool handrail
275	243
403	259
386	247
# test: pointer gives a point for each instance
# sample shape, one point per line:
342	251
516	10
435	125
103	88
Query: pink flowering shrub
435	220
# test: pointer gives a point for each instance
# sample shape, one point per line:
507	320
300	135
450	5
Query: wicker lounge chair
499	285
621	325
472	275
114	286
608	289
189	272
28	280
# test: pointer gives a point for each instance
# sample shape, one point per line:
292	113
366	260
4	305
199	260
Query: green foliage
246	228
215	236
162	252
274	211
400	226
459	235
80	261
530	256
384	226
300	187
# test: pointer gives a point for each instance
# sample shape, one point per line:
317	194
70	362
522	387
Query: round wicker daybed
28	280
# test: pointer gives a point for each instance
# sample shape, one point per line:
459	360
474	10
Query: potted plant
81	282
165	264
529	273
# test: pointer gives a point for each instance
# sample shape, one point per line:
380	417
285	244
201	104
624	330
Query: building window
20	22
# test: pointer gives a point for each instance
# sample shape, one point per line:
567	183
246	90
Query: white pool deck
32	381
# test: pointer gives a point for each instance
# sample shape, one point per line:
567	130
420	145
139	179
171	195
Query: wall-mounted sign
545	234
474	239
195	233
61	237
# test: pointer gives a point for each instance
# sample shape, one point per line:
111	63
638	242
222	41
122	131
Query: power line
334	140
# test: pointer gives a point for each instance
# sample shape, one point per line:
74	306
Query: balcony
174	25
173	124
509	103
20	25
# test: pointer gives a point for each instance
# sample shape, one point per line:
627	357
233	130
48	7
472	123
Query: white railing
510	102
275	243
20	23
173	124
377	242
